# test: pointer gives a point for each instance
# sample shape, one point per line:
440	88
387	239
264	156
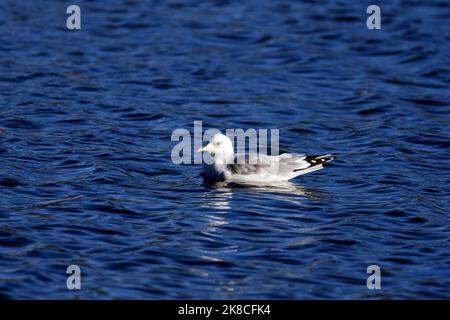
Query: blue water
86	176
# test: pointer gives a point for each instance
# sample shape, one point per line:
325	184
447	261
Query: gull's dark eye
218	143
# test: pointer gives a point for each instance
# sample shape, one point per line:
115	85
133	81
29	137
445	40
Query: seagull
255	168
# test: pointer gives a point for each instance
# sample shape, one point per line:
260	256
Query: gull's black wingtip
319	159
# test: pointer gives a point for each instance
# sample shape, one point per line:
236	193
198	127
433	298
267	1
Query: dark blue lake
86	176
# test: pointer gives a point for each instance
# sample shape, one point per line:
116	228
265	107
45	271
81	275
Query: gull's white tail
301	164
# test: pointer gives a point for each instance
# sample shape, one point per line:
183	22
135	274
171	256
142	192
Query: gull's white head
219	147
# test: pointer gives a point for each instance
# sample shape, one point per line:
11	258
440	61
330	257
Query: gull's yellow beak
206	148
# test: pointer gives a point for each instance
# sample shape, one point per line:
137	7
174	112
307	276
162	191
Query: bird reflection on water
288	191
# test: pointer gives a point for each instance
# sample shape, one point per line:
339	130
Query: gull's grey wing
286	165
247	164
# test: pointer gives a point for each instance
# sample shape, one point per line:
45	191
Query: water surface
86	176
